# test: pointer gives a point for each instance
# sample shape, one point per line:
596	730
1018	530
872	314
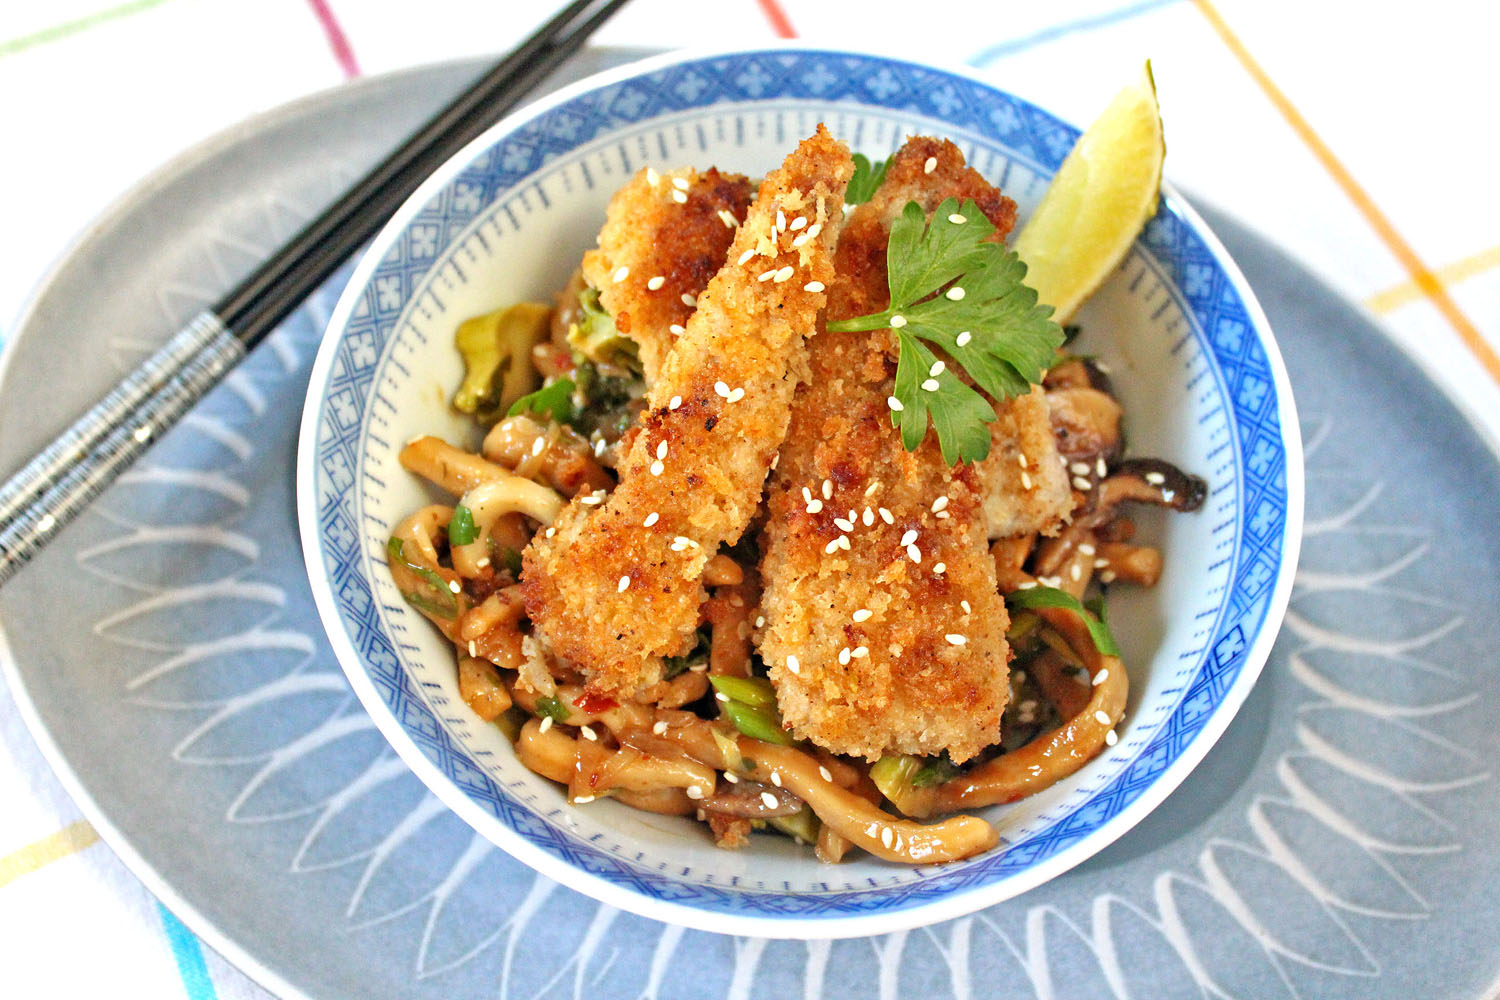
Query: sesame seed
624	583
538	446
955	294
728	218
827	489
679	543
546	724
931	385
680	183
1155	478
941	515
661	449
797	224
1079	468
1026	585
583	800
844	655
1111	738
660	728
955	639
690	300
722	389
677	329
455	586
1079	483
1021	459
783	274
747	256
694	792
674	403
967	609
1076	572
939	504
621	274
843	542
473	648
657	468
780	220
898	321
587	732
1025	480
1106	369
1108	576
482	562
868	517
1101	717
860	652
909	537
887	837
731	777
1086	549
814	229
736	394
826	774
1063	459
679	197
1100	677
550	532
651	519
800	240
652	177
962	340
886	516
1100	467
589	501
1100	562
895	404
913	553
770	800
844	524
930	165
831	547
600	447
957	219
760	620
872	489
1050	581
940	568
813	286
807	494
793	664
863	615
776	778
767	275
721	696
936	369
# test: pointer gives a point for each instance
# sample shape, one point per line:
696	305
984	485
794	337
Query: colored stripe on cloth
1421	275
1450	274
189	955
780	23
57	32
338	42
39	854
1011	46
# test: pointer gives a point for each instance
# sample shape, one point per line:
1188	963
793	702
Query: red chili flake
593	704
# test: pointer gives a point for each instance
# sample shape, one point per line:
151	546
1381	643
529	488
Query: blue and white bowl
1194	364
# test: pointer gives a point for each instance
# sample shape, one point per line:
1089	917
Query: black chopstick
51	489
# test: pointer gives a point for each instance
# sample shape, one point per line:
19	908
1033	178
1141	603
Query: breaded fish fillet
617	586
1024	484
884	628
668	230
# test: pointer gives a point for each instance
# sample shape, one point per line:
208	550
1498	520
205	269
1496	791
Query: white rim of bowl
958	903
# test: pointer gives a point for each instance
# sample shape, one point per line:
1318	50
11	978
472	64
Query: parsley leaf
1051	597
951	288
555	401
461	529
867	179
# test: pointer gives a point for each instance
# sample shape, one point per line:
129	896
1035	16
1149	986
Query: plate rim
953	904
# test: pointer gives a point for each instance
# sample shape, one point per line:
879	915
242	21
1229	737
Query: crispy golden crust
610	593
651	234
1025	486
903	685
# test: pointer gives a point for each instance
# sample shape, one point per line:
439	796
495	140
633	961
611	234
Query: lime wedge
1096	205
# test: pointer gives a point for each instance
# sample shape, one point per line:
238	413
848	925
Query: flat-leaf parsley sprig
952	288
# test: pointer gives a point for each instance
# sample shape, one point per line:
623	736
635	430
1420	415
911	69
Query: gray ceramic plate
1342	839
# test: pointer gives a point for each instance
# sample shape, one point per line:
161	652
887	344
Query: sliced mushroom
1086	423
1150	480
752	800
